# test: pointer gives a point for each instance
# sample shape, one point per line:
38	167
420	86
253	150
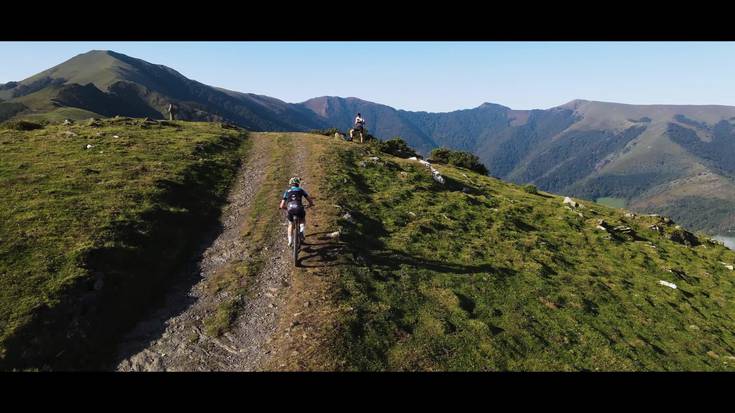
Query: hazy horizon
429	76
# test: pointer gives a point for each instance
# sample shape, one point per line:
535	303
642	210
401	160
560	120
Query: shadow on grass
394	260
153	257
453	185
364	242
323	254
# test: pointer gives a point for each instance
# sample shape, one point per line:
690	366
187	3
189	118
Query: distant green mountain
673	159
110	83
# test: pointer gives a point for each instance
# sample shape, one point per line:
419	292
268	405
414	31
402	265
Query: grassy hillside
93	217
479	274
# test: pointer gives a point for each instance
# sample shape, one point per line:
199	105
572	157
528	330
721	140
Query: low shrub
461	159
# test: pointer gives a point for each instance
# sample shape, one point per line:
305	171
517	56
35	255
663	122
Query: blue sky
430	76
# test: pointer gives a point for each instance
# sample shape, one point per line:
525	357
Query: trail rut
173	337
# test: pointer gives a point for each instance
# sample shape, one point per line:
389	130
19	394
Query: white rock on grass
667	284
437	177
728	266
570	201
434	173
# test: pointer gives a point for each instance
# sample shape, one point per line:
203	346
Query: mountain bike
297	238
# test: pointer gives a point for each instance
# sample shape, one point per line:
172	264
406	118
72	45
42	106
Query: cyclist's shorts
296	212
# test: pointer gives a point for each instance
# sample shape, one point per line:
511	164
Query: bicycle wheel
296	241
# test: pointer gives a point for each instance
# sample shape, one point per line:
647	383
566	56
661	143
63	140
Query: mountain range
677	160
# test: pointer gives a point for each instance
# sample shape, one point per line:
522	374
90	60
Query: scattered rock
679	273
667	284
333	235
630	215
622	229
89	146
67	122
570	201
728	266
347	217
656	228
684	237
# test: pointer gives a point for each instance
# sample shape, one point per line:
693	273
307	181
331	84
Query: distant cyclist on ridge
359	126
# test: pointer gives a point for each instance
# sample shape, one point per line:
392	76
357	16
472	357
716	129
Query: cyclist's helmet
295	181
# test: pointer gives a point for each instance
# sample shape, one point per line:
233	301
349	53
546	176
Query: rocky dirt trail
173	338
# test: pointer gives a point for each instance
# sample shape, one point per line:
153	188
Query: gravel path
173	339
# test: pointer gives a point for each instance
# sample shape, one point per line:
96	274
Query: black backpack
293	199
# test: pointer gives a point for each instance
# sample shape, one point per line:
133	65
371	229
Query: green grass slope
88	235
478	274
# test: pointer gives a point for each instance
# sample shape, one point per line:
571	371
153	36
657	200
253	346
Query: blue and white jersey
294	195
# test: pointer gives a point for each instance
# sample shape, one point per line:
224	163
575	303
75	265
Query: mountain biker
359	126
291	202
